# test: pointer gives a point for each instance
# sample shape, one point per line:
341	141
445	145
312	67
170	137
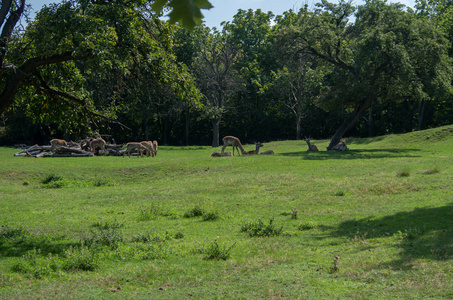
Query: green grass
375	222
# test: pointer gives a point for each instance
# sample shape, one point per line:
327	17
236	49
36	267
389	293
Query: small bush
210	216
25	183
404	173
179	235
53	177
339	193
107	234
197	211
307	225
259	229
80	259
214	251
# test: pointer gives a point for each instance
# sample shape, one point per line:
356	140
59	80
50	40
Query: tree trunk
215	132
187	125
298	121
349	122
370	122
421	112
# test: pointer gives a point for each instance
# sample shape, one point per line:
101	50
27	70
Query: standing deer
135	145
57	144
310	146
149	148
155	145
232	141
256	151
97	143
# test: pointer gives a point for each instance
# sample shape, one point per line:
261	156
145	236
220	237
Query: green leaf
187	12
158	5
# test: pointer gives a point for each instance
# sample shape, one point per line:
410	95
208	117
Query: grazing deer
149	148
97	143
310	146
341	146
256	151
141	147
232	141
217	154
268	152
57	144
155	145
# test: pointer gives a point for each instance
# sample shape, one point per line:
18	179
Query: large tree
387	54
49	64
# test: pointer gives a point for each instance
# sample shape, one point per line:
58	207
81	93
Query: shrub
52	178
197	211
432	171
258	228
214	251
307	225
404	173
80	259
339	193
210	216
107	234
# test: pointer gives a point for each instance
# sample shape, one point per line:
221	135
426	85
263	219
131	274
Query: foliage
259	229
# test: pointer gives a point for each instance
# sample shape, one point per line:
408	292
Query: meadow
374	222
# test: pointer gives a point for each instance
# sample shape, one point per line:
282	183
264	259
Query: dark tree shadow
423	233
354	154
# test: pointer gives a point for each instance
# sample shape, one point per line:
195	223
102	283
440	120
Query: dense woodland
118	69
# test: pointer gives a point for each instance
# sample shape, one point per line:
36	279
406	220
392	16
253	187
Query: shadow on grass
354	154
20	242
422	233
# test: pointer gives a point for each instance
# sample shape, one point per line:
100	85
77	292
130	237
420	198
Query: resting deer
57	144
97	143
217	154
341	146
232	141
256	151
268	152
155	145
141	147
310	146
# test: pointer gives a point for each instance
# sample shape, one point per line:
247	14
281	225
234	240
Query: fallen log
69	150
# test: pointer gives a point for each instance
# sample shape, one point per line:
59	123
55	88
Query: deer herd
149	148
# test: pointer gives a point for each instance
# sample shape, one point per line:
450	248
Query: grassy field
375	222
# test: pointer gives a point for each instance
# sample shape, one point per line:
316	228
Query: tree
214	69
386	55
47	66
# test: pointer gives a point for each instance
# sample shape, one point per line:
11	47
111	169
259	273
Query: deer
232	141
97	143
155	145
310	146
141	147
256	151
268	152
341	146
149	148
217	154
57	144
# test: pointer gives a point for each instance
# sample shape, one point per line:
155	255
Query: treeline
330	71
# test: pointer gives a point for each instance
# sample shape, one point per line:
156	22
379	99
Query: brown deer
155	145
149	148
232	141
310	146
268	152
141	147
256	151
57	144
97	143
341	146
217	154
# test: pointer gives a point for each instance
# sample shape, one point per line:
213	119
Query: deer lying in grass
268	152
141	147
217	154
341	146
256	151
57	144
310	146
97	144
232	141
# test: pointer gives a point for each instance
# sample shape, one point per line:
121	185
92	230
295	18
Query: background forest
116	68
